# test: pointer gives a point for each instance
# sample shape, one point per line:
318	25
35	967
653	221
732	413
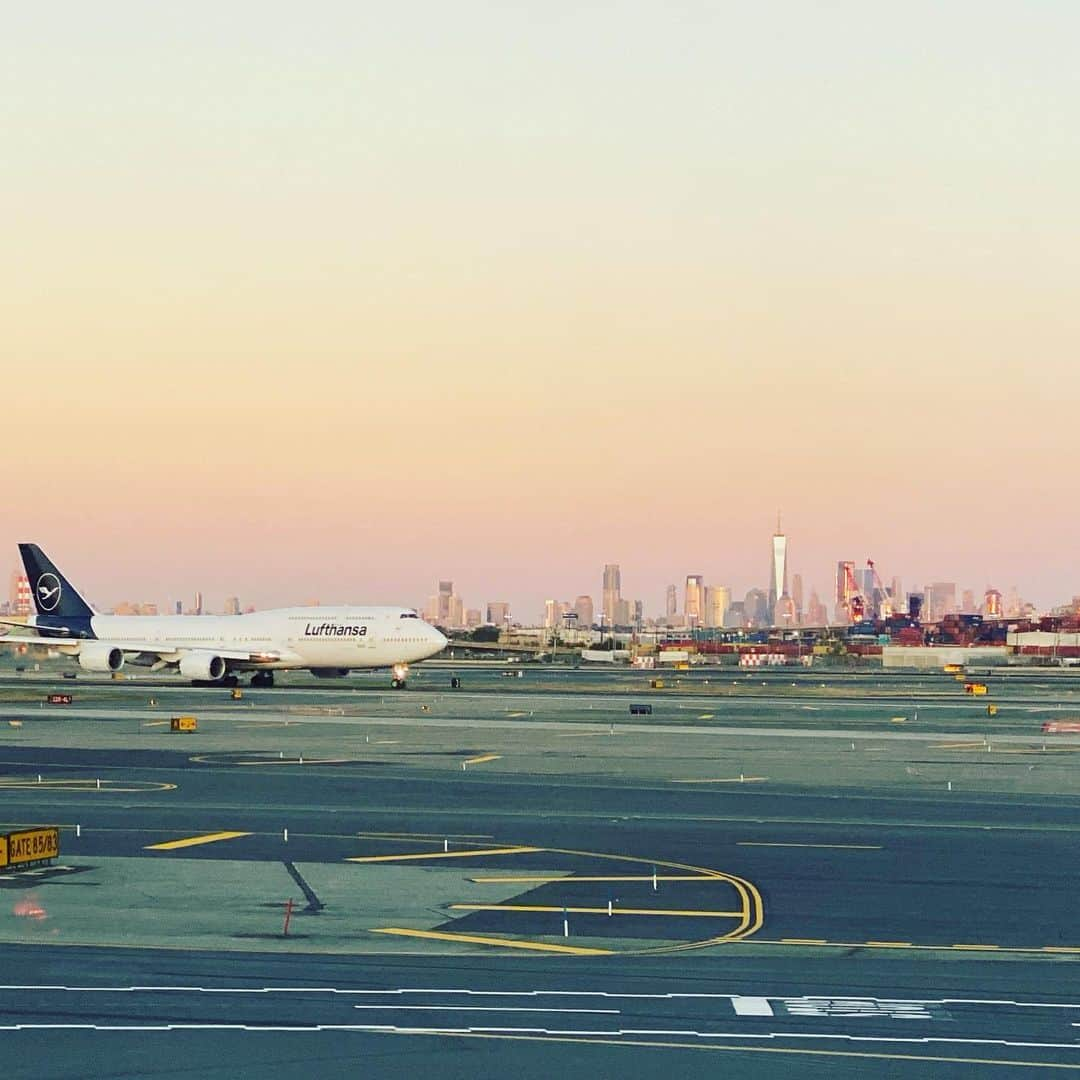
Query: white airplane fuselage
343	638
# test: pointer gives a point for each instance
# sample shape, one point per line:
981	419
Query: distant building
897	592
777	570
473	618
498	613
455	613
756	608
671	602
198	608
797	597
967	602
717	602
695	599
993	607
784	612
445	608
736	615
624	615
232	605
939	601
19	599
816	614
126	607
583	606
612	592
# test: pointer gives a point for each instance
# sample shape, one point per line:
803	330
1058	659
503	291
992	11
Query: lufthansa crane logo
48	592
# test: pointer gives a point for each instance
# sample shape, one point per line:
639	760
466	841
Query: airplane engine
329	672
202	665
97	657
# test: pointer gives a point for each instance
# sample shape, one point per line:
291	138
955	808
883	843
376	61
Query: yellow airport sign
29	846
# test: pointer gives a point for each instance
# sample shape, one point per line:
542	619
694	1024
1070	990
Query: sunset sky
336	299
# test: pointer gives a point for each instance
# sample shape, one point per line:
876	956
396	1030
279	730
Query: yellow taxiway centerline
468	939
194	841
443	854
598	910
541	879
419	837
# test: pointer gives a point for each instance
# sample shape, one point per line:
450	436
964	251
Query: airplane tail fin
53	594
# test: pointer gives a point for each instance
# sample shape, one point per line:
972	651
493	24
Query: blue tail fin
54	596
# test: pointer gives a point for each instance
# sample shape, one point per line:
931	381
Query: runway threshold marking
481	759
597	910
838	847
504	943
194	841
474	853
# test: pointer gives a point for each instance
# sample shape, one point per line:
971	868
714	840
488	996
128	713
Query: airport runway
534	896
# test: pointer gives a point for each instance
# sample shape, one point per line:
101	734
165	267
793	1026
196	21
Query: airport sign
29	846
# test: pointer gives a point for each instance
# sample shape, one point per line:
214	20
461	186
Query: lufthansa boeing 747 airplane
327	641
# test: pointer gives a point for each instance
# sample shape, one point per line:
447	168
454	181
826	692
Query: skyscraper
797	596
498	613
717	602
671	602
612	591
778	569
816	615
756	608
232	605
695	599
583	605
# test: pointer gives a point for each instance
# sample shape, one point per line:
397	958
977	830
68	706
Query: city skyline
705	602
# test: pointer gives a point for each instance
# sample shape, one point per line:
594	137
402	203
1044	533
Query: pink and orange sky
334	300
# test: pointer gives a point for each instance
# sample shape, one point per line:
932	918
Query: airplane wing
167	650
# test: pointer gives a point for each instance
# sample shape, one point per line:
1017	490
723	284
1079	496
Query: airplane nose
439	639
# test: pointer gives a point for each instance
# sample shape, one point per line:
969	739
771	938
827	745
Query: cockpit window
408	615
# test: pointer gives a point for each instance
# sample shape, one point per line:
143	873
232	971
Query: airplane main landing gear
262	679
400	673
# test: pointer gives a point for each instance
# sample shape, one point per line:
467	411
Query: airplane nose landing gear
400	673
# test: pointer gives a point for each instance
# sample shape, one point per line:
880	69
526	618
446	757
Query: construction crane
854	602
